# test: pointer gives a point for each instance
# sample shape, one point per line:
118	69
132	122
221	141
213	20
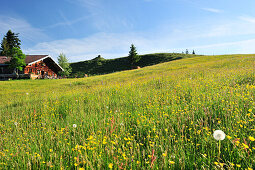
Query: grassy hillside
103	66
160	117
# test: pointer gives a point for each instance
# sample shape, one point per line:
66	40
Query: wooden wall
39	69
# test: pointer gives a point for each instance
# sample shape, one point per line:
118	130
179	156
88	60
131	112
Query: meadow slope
159	117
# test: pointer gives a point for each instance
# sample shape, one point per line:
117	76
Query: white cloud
68	22
212	10
207	39
235	47
248	19
25	30
107	45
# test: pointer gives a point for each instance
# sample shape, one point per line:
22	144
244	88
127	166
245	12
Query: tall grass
159	117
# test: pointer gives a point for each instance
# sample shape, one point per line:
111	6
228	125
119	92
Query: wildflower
251	138
229	137
74	125
121	124
164	154
219	135
245	146
110	165
238	165
15	123
171	162
81	169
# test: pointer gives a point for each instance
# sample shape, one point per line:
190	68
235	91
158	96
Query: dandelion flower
74	125
110	165
251	138
219	135
171	162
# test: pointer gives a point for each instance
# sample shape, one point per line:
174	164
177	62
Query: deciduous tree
17	61
63	62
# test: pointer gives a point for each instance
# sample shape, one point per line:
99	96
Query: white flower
121	124
74	125
15	123
27	93
219	135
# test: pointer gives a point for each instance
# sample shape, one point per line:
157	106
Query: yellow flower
110	165
251	138
229	137
245	146
171	162
50	150
232	164
138	162
216	163
81	169
238	165
250	169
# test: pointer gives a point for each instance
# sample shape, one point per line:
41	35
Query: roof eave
48	56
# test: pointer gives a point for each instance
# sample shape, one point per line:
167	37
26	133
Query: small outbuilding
37	67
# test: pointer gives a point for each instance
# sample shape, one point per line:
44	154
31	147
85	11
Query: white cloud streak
17	25
213	10
248	19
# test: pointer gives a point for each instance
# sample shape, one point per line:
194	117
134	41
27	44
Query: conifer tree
133	57
9	41
193	52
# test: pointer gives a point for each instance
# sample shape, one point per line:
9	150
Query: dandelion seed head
74	125
219	135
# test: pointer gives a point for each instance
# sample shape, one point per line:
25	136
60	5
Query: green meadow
157	117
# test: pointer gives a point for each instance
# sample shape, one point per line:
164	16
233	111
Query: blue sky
83	29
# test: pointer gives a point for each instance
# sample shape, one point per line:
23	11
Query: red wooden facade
40	70
37	67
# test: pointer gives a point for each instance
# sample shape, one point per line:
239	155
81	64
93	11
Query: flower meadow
159	117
